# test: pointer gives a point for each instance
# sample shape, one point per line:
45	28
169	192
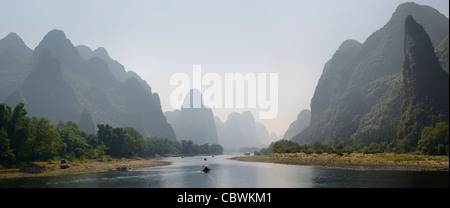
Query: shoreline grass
36	169
357	161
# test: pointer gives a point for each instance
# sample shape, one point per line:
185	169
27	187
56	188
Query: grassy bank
359	161
47	169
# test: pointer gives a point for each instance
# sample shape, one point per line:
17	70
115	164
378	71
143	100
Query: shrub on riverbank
430	144
359	161
287	146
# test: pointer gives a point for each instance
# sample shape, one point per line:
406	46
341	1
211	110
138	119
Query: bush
434	140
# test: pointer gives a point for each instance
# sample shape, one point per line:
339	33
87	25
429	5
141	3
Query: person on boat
206	169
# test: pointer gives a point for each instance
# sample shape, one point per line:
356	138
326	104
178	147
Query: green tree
6	154
134	142
44	141
285	146
72	140
161	146
319	147
435	140
121	142
187	147
37	140
216	149
16	123
5	115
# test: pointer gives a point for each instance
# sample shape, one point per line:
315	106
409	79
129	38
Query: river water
185	173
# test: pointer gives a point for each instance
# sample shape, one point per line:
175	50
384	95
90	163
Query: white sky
158	38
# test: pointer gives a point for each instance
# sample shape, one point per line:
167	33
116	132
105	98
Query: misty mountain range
59	81
381	91
303	119
201	126
369	92
62	82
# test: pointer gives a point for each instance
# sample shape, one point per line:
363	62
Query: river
185	173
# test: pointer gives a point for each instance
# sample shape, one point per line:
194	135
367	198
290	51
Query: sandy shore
46	169
358	161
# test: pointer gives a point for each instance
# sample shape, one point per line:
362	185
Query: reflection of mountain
196	124
241	130
358	98
59	81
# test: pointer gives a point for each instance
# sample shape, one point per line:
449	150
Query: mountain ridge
58	81
426	85
358	103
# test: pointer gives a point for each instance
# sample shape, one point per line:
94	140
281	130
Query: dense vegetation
26	139
442	53
384	93
287	146
162	147
434	141
426	86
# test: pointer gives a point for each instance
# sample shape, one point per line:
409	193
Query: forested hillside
362	96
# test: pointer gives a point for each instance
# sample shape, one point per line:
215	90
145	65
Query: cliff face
425	84
359	95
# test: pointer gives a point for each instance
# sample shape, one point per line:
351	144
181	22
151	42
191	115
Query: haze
159	38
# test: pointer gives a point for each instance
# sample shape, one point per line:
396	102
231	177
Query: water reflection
186	172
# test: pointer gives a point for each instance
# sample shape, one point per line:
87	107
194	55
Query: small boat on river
206	169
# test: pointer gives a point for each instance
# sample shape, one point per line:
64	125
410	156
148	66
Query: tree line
288	146
162	147
433	141
27	139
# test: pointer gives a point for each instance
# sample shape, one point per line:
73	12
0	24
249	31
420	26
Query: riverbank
48	169
358	161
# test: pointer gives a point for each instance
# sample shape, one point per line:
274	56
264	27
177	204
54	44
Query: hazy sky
157	38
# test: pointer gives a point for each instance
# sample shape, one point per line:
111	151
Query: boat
122	167
206	169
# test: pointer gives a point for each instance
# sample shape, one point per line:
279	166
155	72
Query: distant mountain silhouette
13	50
117	69
303	119
241	130
47	92
58	81
262	134
358	98
15	64
61	48
196	124
86	122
